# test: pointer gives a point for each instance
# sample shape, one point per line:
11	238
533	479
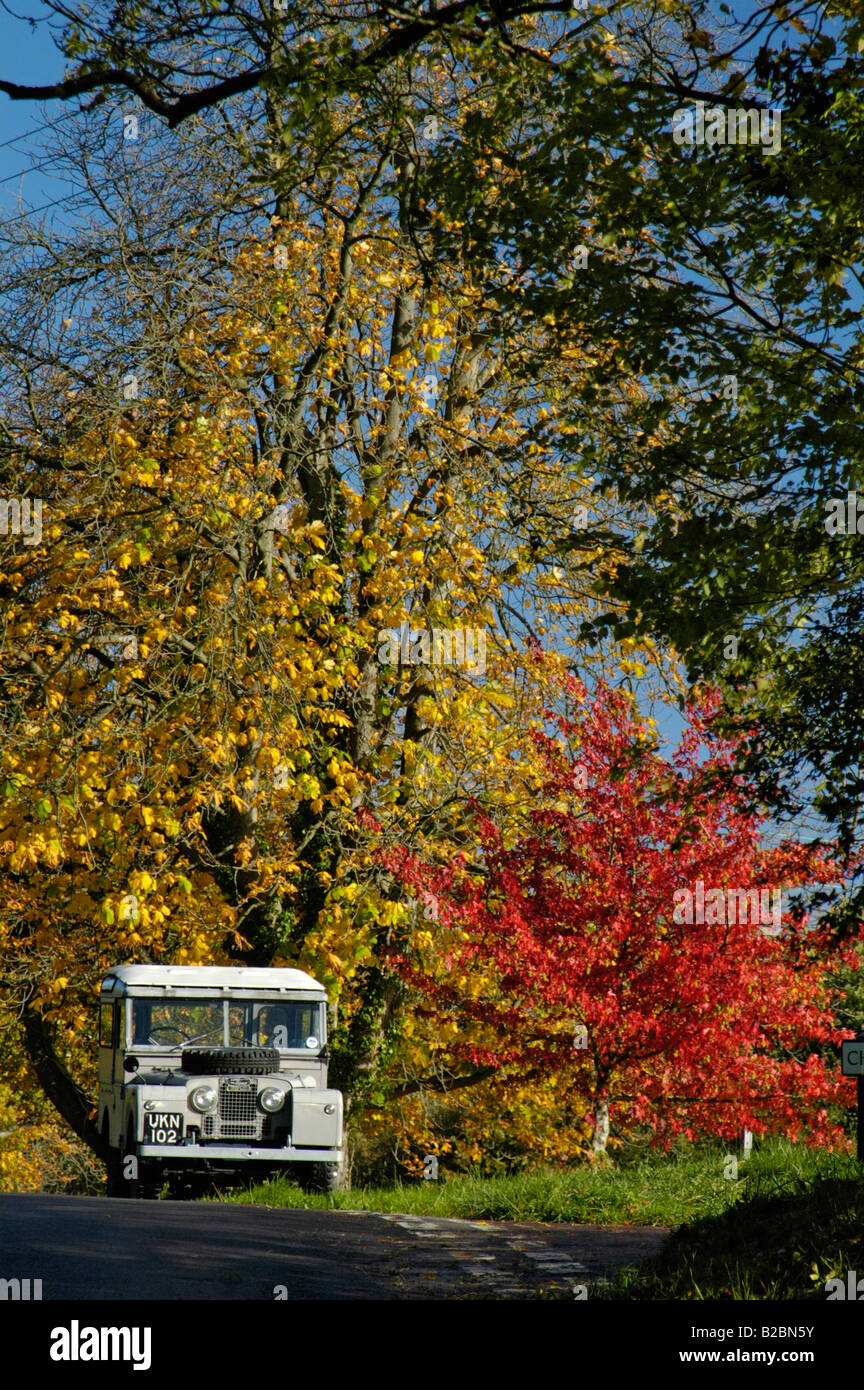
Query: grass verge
787	1221
783	1240
687	1187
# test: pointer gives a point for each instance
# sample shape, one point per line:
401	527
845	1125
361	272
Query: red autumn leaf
700	1027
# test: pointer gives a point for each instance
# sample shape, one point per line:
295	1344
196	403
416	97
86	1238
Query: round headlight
272	1098
203	1098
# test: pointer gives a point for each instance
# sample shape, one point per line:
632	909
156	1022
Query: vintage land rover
209	1070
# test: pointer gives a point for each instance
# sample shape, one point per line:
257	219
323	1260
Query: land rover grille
238	1115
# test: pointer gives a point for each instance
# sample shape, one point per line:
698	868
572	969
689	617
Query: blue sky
27	55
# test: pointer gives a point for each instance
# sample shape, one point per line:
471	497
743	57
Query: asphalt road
103	1249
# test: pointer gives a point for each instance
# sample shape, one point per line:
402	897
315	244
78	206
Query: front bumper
183	1153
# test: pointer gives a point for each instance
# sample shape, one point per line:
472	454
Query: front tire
145	1179
114	1174
318	1177
119	1185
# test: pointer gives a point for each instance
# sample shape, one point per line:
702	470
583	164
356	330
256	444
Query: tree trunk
601	1126
63	1092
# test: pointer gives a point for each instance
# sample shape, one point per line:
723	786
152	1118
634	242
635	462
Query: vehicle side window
106	1025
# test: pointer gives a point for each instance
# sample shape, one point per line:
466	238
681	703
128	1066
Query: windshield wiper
187	1041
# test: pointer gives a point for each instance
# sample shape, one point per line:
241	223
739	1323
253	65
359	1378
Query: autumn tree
635	940
316	447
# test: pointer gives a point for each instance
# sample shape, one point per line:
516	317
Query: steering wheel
169	1028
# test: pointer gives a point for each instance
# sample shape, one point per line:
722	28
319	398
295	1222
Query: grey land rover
208	1070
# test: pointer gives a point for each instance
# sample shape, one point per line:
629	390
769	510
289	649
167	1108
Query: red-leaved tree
579	930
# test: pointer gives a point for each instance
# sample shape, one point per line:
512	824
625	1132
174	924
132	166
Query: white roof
216	977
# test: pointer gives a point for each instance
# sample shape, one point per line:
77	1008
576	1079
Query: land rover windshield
289	1025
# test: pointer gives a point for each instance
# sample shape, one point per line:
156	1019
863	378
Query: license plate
163	1129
